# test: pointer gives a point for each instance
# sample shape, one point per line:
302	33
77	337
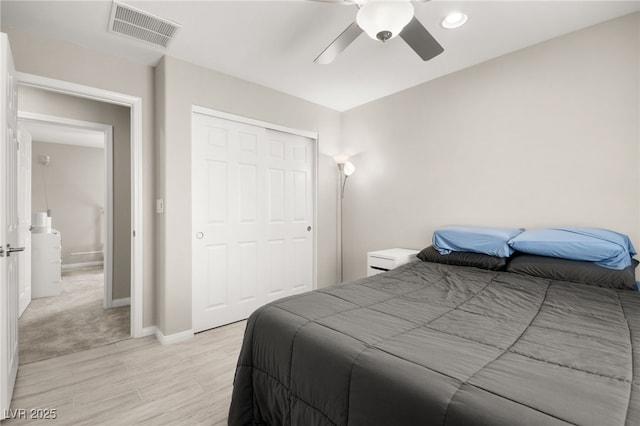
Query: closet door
252	192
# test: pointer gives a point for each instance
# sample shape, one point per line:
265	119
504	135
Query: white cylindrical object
40	223
39	218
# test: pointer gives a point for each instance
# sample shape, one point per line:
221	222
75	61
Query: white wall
75	190
60	105
547	135
63	61
182	85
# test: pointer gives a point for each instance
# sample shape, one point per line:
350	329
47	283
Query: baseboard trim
116	303
173	338
149	331
166	340
70	266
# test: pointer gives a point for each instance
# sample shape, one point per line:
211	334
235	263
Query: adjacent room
72	303
320	212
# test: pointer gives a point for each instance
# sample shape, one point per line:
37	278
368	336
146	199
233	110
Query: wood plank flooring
135	382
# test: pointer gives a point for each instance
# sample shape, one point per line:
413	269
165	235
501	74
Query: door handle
10	250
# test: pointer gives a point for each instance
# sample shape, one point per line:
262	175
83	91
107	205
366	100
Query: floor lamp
346	169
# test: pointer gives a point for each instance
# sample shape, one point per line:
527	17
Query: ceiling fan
383	20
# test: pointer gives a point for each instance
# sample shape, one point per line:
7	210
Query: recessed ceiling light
454	20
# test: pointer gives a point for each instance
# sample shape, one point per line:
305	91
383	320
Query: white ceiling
273	43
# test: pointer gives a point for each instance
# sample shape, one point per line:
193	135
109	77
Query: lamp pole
341	183
345	169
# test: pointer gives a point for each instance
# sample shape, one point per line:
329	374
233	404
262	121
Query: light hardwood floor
135	382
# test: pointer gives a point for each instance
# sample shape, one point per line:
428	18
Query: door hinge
134	233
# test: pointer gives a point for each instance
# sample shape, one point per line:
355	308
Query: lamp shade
383	20
348	168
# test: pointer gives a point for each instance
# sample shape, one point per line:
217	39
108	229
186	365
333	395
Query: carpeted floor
73	321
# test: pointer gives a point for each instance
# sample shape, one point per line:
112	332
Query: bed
440	344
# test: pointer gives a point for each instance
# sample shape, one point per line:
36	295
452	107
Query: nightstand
385	260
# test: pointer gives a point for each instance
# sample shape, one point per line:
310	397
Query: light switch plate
160	206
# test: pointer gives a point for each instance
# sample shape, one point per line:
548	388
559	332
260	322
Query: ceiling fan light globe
380	17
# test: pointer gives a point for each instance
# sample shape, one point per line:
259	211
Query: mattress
433	344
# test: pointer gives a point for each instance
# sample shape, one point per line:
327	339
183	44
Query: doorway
136	197
73	186
80	156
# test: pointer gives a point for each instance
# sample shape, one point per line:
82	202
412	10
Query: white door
24	219
8	226
253	210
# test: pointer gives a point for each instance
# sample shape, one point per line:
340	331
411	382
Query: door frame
107	131
24	220
137	235
196	109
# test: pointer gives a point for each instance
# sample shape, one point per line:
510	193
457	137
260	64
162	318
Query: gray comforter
431	344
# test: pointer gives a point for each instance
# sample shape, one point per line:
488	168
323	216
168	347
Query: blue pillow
476	239
603	247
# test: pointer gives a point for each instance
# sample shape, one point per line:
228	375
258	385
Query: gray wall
75	189
180	85
63	61
56	104
547	135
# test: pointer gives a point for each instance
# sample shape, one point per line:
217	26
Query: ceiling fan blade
339	44
420	40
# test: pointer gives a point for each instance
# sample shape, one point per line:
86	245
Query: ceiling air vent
135	23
